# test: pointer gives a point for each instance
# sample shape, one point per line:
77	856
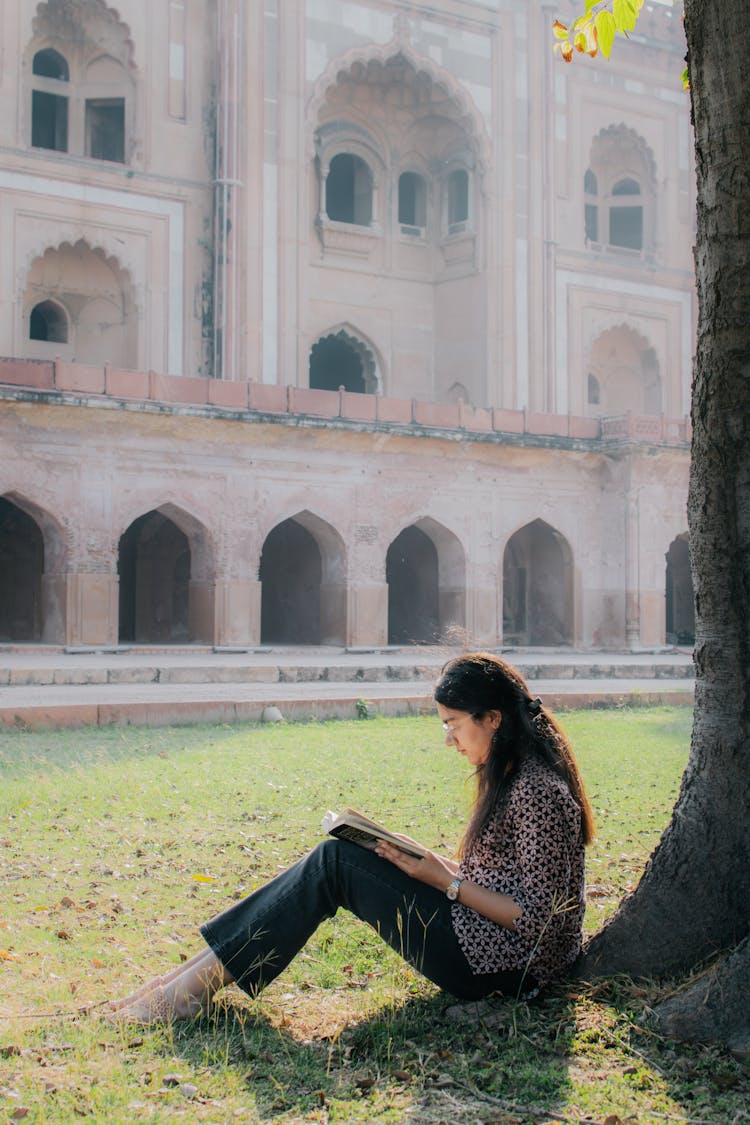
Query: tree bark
715	1007
693	901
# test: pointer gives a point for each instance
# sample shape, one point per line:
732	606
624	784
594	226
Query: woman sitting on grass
506	919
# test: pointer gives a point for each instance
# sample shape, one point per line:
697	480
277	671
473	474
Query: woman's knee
333	851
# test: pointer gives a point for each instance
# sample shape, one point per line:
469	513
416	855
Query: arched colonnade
166	582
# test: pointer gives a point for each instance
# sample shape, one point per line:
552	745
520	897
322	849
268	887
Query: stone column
452	614
632	573
54	609
201	596
333	613
91	609
484	624
367	614
236	607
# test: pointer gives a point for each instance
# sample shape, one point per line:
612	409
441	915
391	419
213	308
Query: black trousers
257	938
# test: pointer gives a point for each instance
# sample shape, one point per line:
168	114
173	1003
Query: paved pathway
48	686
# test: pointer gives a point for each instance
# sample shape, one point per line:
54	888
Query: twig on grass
541	1113
512	1108
58	1015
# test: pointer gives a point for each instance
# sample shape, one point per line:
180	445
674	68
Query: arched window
412	203
49	104
105	129
458	393
81	94
341	360
335	363
349	190
50	64
82	300
594	391
623	374
626	218
619	190
105	115
458	200
591	206
48	321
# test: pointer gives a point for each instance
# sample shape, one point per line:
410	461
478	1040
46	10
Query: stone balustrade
260	398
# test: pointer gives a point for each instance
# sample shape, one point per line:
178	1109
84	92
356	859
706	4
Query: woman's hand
431	869
439	873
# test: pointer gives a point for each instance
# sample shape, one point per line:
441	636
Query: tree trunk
693	901
715	1007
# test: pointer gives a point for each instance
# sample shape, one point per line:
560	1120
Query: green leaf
605	30
591	4
625	15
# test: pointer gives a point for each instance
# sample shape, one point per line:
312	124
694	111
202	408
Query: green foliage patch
115	843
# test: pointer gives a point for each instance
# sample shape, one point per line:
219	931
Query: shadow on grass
444	1061
424	1053
704	1080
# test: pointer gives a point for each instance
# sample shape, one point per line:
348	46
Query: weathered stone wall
228	479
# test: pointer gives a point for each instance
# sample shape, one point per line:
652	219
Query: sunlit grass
116	843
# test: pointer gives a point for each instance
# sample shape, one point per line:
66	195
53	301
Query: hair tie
534	706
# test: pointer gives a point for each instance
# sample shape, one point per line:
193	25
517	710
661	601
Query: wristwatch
451	891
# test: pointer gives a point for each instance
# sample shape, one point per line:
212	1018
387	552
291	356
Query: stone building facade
347	322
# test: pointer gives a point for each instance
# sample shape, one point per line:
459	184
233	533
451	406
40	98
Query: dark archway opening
458	198
49	121
412	207
49	63
334	363
154	568
411	571
21	569
349	190
626	220
680	598
105	129
47	321
290	575
537	587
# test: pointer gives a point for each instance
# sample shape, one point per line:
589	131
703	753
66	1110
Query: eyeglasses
450	727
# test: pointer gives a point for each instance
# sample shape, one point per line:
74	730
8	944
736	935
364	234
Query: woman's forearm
493	905
439	872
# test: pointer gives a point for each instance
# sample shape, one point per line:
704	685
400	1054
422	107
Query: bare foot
157	1006
137	994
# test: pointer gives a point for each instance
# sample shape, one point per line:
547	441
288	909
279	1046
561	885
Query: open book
352	825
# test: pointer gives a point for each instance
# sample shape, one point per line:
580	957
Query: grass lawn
115	843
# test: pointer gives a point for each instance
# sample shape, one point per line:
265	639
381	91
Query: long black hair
480	682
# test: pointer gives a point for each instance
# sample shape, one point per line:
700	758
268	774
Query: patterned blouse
531	849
